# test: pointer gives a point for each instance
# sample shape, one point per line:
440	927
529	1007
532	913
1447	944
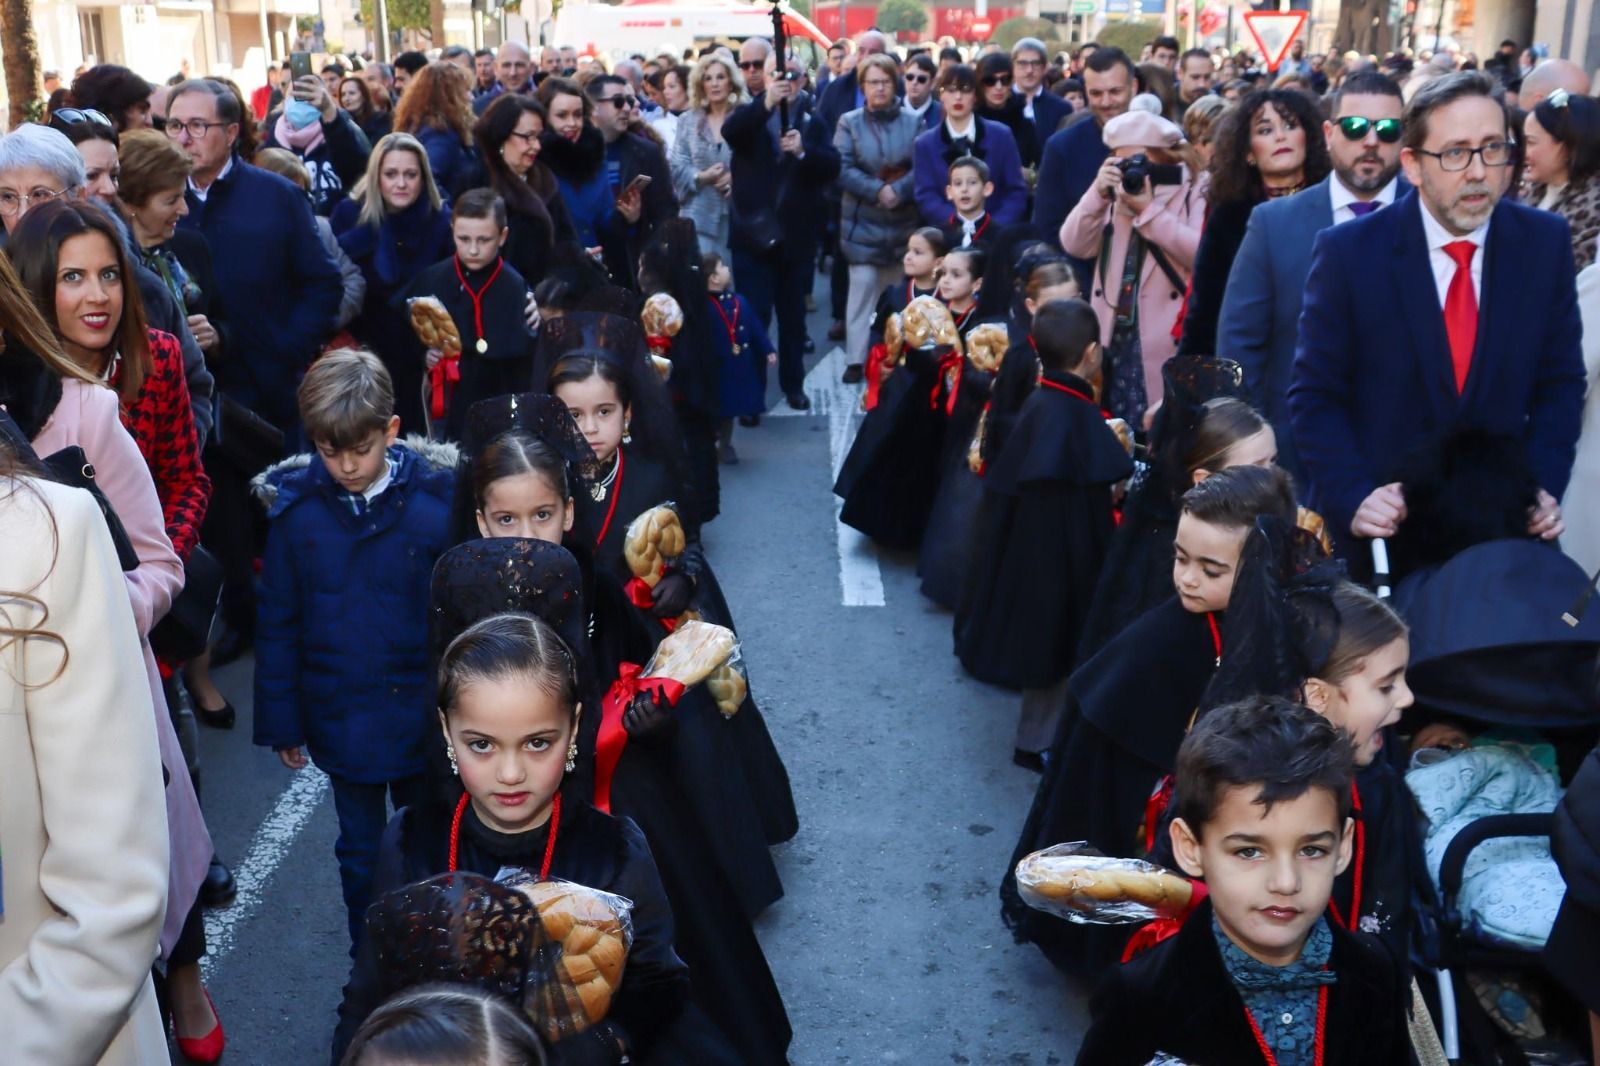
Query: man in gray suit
1261	308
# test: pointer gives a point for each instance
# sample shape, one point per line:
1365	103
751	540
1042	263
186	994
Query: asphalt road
888	945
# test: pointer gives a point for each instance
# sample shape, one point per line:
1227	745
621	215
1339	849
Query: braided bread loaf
691	653
433	325
593	939
986	346
653	539
894	341
661	316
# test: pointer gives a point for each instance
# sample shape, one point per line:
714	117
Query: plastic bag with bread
661	319
692	652
433	325
1075	882
654	540
986	346
589	933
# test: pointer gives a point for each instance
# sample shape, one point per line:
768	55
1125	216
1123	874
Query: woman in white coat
83	844
1580	507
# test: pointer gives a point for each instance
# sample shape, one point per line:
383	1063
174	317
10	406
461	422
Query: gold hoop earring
450	753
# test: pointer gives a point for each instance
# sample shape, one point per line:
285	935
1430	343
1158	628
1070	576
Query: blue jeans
362	816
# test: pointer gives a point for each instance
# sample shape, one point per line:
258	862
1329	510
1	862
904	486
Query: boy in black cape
487	299
1258	972
1045	523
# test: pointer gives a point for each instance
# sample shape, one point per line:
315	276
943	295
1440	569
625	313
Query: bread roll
729	687
691	652
1088	882
434	327
592	937
654	539
986	346
661	316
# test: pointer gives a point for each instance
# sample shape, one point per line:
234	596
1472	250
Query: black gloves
672	595
649	718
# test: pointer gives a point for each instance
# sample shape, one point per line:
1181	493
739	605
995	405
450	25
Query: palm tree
21	57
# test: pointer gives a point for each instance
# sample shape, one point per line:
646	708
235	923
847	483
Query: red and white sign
1274	32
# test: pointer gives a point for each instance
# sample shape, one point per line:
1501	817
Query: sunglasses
1356	128
752	64
919	79
76	116
996	79
620	101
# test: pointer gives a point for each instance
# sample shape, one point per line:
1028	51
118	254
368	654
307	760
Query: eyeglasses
1020	62
620	101
752	64
196	127
1453	160
76	116
11	204
1356	128
996	79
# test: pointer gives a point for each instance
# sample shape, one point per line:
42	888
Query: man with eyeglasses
279	289
1260	316
513	65
1029	61
1452	309
629	155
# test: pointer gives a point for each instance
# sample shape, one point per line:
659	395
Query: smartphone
638	184
300	64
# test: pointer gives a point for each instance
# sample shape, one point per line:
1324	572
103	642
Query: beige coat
83	840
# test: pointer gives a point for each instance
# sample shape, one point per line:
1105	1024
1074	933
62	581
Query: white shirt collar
972	128
1437	236
202	193
374	489
1343	197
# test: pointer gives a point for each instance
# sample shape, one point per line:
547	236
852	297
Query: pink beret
1141	129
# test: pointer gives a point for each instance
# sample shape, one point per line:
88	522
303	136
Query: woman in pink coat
1142	244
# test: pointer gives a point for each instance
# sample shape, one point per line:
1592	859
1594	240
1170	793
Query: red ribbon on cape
1155	931
949	361
642	596
442	381
876	355
613	737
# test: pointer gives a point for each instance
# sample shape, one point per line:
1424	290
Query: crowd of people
414	380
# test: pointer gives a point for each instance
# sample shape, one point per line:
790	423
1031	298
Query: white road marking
268	847
860	580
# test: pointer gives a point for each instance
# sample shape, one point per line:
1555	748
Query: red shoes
205	1049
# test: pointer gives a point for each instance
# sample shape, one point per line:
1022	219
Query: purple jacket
993	144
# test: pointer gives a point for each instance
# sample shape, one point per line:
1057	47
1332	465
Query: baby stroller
1499	637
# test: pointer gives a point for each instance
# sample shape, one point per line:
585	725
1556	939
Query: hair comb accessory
1558	99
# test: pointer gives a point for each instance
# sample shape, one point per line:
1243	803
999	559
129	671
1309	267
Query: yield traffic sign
1274	32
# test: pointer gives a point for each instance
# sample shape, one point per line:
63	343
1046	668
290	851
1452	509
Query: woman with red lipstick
1268	146
70	257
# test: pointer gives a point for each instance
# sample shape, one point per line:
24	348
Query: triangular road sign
1274	32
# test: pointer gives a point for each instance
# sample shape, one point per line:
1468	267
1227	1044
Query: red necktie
1461	311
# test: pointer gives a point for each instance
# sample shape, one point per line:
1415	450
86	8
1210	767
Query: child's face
599	413
721	279
525	505
968	192
1258	449
919	262
356	468
1205	559
1369	700
1269	873
478	241
510	737
957	286
1067	290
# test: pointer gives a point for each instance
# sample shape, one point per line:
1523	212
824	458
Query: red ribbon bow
613	738
876	356
949	364
642	596
442	381
658	344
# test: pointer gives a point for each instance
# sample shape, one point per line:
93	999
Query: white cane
1380	567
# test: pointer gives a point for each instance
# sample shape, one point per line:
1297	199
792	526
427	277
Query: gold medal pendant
483	346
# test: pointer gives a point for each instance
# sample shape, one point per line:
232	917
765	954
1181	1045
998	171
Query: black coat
765	179
1219	244
1023	128
623	242
335	165
1044	526
891	474
1569	955
1177	998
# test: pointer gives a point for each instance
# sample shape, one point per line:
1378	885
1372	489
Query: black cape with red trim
889	478
1126	713
1044	526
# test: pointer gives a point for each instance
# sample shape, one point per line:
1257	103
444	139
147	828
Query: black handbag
761	230
246	440
183	631
71	467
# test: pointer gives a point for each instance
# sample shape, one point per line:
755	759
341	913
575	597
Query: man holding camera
1139	224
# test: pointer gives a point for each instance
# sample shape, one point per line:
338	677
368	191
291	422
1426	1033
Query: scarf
164	264
303	141
409	241
577	162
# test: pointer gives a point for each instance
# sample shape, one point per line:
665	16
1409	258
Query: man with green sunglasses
1261	309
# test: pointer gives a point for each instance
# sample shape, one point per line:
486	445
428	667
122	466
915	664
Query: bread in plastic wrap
926	323
894	341
654	539
986	346
433	325
661	316
1075	882
692	652
592	932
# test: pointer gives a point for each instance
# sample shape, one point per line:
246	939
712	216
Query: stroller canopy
1488	641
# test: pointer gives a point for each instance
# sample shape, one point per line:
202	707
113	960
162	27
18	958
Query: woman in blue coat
963	133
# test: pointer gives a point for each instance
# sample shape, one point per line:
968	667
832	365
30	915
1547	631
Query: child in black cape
731	981
1262	970
487	300
509	660
1041	275
1126	710
968	189
596	365
963	393
1045	524
925	251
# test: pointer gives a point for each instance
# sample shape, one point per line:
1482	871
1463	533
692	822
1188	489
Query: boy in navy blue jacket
342	665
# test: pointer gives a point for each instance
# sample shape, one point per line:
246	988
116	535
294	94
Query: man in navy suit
1260	316
1029	61
1072	157
1452	308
